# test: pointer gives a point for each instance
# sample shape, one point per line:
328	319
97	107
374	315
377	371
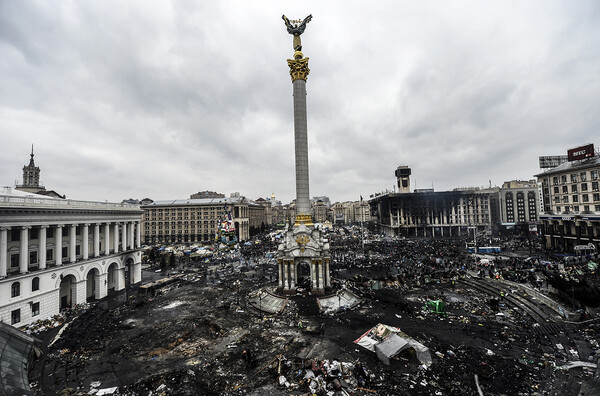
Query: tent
387	342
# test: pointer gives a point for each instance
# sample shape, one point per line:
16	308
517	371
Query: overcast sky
164	99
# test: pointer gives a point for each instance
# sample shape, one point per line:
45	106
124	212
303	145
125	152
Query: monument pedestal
303	246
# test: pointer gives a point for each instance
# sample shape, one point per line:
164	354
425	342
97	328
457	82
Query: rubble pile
204	334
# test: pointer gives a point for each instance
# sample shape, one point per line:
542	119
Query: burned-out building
427	213
432	214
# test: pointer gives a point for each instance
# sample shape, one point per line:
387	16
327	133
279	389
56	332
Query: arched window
35	283
15	289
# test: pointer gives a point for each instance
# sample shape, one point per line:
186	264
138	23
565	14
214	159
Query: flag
361	198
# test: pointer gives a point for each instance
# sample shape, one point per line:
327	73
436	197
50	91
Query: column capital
298	67
4	228
44	226
59	225
86	224
26	227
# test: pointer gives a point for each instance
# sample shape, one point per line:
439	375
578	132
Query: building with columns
55	253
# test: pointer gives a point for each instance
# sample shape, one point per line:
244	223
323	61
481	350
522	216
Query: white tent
387	341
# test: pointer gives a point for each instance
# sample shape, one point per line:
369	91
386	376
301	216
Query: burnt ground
190	337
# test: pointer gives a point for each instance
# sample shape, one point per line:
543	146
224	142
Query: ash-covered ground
198	335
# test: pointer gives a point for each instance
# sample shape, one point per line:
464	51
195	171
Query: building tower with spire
31	177
31	181
303	251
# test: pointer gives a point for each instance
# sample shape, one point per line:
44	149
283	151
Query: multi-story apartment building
519	202
351	212
320	211
58	252
257	217
571	202
193	220
267	204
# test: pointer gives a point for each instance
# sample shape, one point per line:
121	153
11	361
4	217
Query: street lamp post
237	288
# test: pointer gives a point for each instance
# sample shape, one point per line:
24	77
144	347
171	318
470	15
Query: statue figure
296	30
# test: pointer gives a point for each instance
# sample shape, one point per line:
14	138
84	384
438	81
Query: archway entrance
303	275
113	277
92	288
68	293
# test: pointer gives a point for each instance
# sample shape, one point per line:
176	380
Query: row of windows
575	198
575	188
575	177
15	315
586	208
15	287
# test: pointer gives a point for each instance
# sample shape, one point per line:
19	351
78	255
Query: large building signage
551	161
580	153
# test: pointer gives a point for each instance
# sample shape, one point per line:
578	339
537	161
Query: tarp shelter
437	306
387	342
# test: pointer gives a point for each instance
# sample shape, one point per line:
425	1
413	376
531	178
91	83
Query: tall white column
124	236
138	235
107	238
24	250
313	273
72	243
320	272
42	252
3	250
130	239
96	240
58	244
300	135
328	282
85	242
116	237
280	267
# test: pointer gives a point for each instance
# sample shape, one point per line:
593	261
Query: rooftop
12	198
198	202
573	166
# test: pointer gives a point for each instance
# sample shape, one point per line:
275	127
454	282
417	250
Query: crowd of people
355	253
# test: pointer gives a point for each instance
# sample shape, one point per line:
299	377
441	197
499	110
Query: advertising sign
579	153
551	161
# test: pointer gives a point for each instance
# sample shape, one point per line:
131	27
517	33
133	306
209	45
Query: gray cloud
163	100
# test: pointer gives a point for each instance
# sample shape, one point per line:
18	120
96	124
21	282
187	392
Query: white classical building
55	253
